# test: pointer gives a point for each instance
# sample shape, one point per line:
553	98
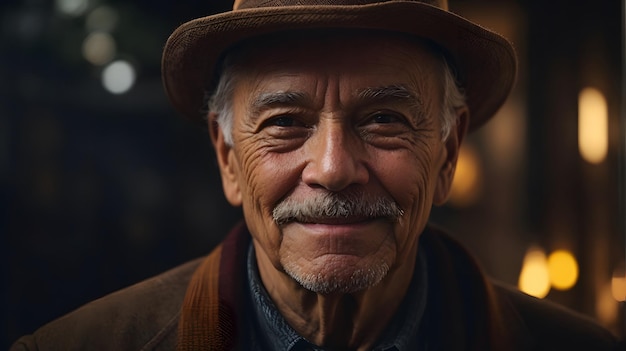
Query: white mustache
336	205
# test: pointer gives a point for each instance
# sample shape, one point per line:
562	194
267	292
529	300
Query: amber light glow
534	278
466	184
593	129
618	285
563	269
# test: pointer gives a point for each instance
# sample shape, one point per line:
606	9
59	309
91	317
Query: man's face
339	139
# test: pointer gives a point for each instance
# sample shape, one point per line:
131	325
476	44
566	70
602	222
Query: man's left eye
385	118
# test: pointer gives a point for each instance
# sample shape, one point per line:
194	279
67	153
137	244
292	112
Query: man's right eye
282	121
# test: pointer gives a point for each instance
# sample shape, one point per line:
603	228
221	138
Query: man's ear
452	146
226	160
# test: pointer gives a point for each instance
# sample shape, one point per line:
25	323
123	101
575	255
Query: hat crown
250	4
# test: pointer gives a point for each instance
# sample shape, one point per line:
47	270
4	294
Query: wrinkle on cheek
420	142
257	206
423	180
265	174
251	162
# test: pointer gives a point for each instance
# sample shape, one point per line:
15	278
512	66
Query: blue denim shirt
270	330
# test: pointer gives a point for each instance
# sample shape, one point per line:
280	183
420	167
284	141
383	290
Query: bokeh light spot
118	77
534	278
593	121
72	7
466	184
618	285
563	269
99	48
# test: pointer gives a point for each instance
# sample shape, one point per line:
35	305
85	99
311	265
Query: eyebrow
392	93
279	98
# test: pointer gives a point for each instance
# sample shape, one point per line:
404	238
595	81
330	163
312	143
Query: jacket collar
463	310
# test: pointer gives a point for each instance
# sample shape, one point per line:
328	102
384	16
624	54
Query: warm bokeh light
563	269
593	122
618	285
607	309
99	48
466	185
534	278
118	77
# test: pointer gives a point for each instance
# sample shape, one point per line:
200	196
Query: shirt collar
274	331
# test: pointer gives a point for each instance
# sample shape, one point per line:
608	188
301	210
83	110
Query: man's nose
335	159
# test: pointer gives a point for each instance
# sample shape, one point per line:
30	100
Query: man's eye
385	118
282	121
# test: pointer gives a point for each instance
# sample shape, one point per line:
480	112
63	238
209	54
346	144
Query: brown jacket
465	311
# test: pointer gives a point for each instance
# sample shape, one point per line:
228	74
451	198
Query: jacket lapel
462	311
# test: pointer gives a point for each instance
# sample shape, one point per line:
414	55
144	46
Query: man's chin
328	281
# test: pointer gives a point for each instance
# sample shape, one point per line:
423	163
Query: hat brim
486	61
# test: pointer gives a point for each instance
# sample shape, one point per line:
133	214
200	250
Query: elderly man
336	126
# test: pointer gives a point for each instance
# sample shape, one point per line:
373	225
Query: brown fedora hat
485	61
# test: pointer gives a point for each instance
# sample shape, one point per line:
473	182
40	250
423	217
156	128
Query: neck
337	321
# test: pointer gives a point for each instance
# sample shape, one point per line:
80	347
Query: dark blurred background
103	185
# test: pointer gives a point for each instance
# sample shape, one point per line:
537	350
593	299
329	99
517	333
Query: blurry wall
100	189
538	208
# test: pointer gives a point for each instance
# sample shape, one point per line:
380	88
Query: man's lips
338	227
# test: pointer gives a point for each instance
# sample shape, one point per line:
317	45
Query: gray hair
453	99
220	102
